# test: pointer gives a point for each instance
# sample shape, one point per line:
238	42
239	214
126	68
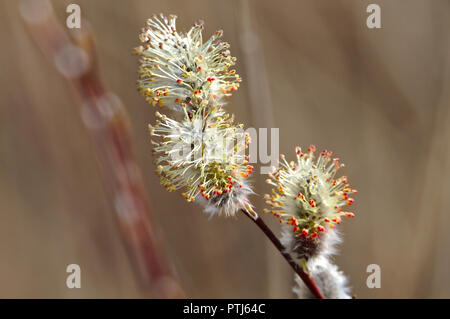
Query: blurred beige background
378	98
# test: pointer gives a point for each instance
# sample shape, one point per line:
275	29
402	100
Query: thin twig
307	279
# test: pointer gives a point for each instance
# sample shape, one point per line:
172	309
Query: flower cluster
181	70
310	201
206	156
204	152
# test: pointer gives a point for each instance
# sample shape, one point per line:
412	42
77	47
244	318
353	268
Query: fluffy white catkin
331	281
200	150
181	70
310	201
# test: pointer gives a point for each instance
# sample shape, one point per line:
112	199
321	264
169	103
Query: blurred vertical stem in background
261	108
107	123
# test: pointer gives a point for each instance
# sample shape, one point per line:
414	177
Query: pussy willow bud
181	70
204	154
330	280
310	201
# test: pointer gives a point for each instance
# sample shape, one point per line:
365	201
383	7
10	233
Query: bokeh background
378	98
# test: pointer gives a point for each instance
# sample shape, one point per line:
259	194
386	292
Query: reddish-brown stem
307	279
